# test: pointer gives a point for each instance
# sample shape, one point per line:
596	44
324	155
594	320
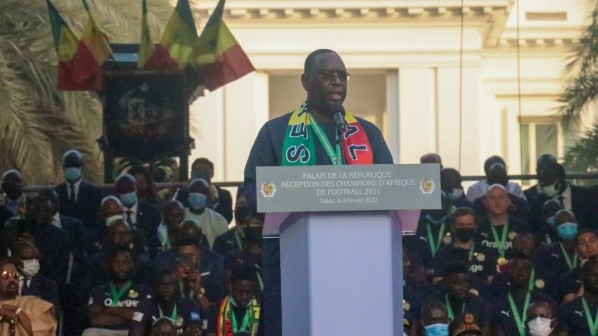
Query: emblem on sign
268	189
427	186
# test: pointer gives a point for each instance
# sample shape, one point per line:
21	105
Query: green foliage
38	122
582	88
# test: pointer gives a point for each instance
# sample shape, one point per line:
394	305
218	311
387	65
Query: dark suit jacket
45	289
148	219
53	244
85	208
584	205
74	227
225	204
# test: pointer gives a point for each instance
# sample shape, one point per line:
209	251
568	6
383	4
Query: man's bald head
111	206
72	158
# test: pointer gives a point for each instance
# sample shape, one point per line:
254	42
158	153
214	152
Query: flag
180	35
66	43
92	52
152	57
146	46
218	58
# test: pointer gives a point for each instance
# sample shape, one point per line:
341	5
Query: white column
246	110
225	122
417	114
392	105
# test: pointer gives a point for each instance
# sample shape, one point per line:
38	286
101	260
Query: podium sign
348	188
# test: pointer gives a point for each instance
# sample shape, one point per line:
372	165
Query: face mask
456	194
550	190
438	329
464	234
72	174
197	201
30	267
435	221
129	199
110	220
550	220
540	326
242	213
567	230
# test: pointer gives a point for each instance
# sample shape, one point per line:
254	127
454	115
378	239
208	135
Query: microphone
338	114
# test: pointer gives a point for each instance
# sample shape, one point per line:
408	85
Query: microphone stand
341	126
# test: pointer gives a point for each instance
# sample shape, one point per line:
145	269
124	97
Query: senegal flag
180	35
92	52
152	57
66	44
218	58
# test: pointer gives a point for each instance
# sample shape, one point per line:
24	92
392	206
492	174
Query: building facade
463	79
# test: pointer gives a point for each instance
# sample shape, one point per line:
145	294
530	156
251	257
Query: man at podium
318	132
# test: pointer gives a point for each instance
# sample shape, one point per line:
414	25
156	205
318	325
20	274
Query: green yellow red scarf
227	324
299	145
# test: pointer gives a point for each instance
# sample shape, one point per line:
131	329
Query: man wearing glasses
310	136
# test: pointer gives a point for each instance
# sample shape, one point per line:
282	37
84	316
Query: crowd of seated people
127	261
493	260
499	260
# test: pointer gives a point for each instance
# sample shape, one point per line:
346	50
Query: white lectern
341	273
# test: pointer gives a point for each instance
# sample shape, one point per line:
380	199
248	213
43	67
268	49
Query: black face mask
242	212
464	234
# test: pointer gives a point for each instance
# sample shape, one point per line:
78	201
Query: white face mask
540	326
110	220
550	190
456	194
30	267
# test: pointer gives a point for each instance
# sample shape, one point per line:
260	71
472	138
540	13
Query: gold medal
133	294
512	235
501	261
179	321
540	283
474	292
406	305
480	257
447	239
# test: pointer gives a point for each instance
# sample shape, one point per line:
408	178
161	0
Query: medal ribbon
238	241
470	256
182	289
593	325
571	264
335	157
520	319
434	245
173	315
449	308
501	245
118	294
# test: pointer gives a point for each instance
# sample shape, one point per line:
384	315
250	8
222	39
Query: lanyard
449	308
238	240
520	319
260	281
434	245
173	315
334	157
245	322
501	245
571	264
593	325
470	256
118	294
182	288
